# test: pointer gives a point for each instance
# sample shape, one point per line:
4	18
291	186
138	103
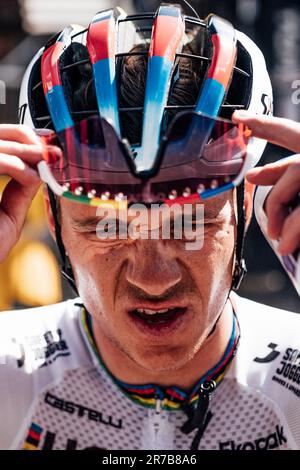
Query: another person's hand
284	175
20	151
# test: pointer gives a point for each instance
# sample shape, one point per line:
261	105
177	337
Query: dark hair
187	77
186	82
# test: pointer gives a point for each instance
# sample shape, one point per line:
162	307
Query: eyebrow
87	222
211	211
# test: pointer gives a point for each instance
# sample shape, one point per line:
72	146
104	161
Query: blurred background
30	276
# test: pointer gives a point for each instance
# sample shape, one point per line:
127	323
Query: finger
279	131
269	174
42	132
290	235
19	133
15	202
28	152
14	167
280	198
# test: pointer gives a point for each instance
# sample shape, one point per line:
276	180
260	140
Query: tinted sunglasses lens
92	159
201	154
206	148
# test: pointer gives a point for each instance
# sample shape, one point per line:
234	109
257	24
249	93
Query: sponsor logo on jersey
269	357
82	411
271	441
287	374
44	348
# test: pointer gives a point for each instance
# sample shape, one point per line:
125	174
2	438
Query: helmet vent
78	82
239	92
37	102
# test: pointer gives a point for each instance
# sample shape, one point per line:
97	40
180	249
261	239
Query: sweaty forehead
81	212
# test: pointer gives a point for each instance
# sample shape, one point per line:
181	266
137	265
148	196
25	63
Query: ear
50	219
249	193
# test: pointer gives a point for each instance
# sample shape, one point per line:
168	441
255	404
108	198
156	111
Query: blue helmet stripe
159	70
106	91
211	98
58	108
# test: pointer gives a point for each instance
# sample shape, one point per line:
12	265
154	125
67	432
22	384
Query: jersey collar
172	397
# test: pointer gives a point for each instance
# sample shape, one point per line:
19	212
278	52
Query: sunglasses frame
58	189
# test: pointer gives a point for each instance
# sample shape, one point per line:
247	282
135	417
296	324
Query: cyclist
157	352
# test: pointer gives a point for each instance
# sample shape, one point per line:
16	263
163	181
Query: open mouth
157	320
157	316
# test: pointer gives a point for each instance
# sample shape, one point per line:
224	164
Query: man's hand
284	175
20	151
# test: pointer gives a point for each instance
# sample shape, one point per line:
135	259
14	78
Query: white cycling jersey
56	393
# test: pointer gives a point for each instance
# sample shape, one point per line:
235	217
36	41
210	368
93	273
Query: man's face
118	279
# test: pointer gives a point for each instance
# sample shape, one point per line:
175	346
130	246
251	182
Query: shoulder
249	312
38	346
24	320
267	333
262	325
36	337
268	358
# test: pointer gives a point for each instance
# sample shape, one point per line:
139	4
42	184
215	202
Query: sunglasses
199	157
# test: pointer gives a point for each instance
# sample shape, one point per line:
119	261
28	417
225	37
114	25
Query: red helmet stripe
223	59
167	35
50	66
101	40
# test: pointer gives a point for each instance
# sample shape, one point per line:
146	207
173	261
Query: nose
152	268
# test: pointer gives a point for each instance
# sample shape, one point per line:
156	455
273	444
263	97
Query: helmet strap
240	265
66	269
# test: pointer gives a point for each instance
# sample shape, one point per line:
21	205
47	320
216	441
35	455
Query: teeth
151	312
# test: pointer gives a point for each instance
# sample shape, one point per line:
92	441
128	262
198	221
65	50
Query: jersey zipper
158	407
158	404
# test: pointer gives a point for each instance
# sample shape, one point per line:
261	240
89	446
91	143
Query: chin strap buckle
239	273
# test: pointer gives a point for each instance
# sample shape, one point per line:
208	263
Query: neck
126	370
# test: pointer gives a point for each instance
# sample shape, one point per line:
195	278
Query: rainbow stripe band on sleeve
33	437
